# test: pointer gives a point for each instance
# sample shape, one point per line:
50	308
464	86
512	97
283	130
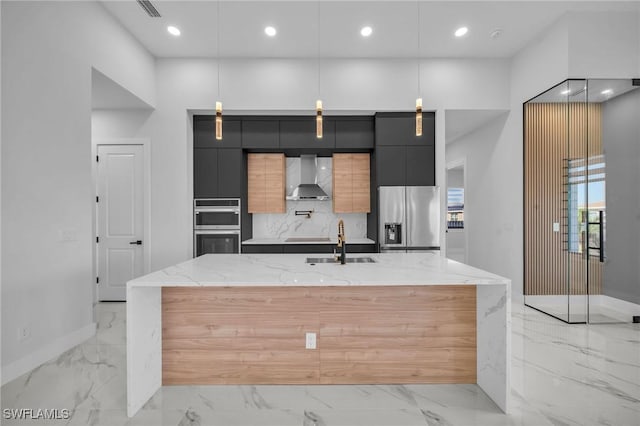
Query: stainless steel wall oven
216	226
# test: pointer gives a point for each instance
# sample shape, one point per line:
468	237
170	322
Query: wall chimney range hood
308	188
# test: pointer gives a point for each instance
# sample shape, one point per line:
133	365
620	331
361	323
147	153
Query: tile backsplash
322	223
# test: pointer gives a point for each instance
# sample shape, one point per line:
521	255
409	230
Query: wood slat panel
398	298
459	339
342	184
191	325
369	334
237	343
404	323
555	133
237	299
351	183
266	183
361	183
398	366
181	367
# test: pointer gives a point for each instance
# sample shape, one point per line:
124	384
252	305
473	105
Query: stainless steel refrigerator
409	218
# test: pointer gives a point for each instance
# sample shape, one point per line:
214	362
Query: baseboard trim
52	350
619	305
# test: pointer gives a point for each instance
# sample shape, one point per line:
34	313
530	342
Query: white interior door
120	218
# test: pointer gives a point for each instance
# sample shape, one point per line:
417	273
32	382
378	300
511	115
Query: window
585	201
455	208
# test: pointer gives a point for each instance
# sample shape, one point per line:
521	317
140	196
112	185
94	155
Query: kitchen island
407	318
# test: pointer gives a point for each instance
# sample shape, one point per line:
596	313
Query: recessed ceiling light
173	30
461	31
270	31
565	92
607	92
366	31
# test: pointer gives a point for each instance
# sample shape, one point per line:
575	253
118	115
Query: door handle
138	242
601	226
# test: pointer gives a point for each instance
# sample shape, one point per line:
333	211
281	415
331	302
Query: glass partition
572	132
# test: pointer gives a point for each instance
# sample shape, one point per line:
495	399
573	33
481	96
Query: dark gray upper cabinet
400	129
301	133
230	173
217	173
204	132
260	133
391	165
402	158
355	133
421	165
205	173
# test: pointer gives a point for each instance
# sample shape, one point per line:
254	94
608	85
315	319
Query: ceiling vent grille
149	8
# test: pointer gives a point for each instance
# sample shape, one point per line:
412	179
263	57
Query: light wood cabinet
351	183
266	182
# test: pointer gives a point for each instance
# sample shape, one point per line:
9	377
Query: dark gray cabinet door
429	128
230	173
421	165
308	248
400	129
262	248
354	133
260	133
391	165
301	133
205	172
204	132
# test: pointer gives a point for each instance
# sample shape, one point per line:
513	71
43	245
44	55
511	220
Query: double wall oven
216	225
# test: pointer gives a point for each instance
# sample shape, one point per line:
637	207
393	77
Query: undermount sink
313	260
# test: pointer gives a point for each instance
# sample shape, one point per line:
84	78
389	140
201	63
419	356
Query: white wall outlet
556	227
310	341
24	332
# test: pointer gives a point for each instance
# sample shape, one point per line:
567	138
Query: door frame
146	187
452	165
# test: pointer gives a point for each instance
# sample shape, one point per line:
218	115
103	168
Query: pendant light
318	102
218	103
419	99
319	119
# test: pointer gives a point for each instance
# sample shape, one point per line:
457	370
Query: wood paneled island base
365	334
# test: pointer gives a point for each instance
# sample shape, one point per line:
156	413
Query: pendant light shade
319	119
419	117
219	120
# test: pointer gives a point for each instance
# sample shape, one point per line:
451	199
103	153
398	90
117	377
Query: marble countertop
275	241
291	270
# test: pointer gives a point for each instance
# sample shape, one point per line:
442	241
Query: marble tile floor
562	375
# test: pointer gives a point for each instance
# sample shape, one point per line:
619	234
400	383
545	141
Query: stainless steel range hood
308	188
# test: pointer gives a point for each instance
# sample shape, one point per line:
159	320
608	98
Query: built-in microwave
216	213
216	241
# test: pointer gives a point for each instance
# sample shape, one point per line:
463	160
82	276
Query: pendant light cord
318	45
418	55
218	43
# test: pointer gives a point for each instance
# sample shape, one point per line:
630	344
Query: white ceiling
336	24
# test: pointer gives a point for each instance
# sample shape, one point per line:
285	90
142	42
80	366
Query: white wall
271	86
603	45
485	223
47	283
